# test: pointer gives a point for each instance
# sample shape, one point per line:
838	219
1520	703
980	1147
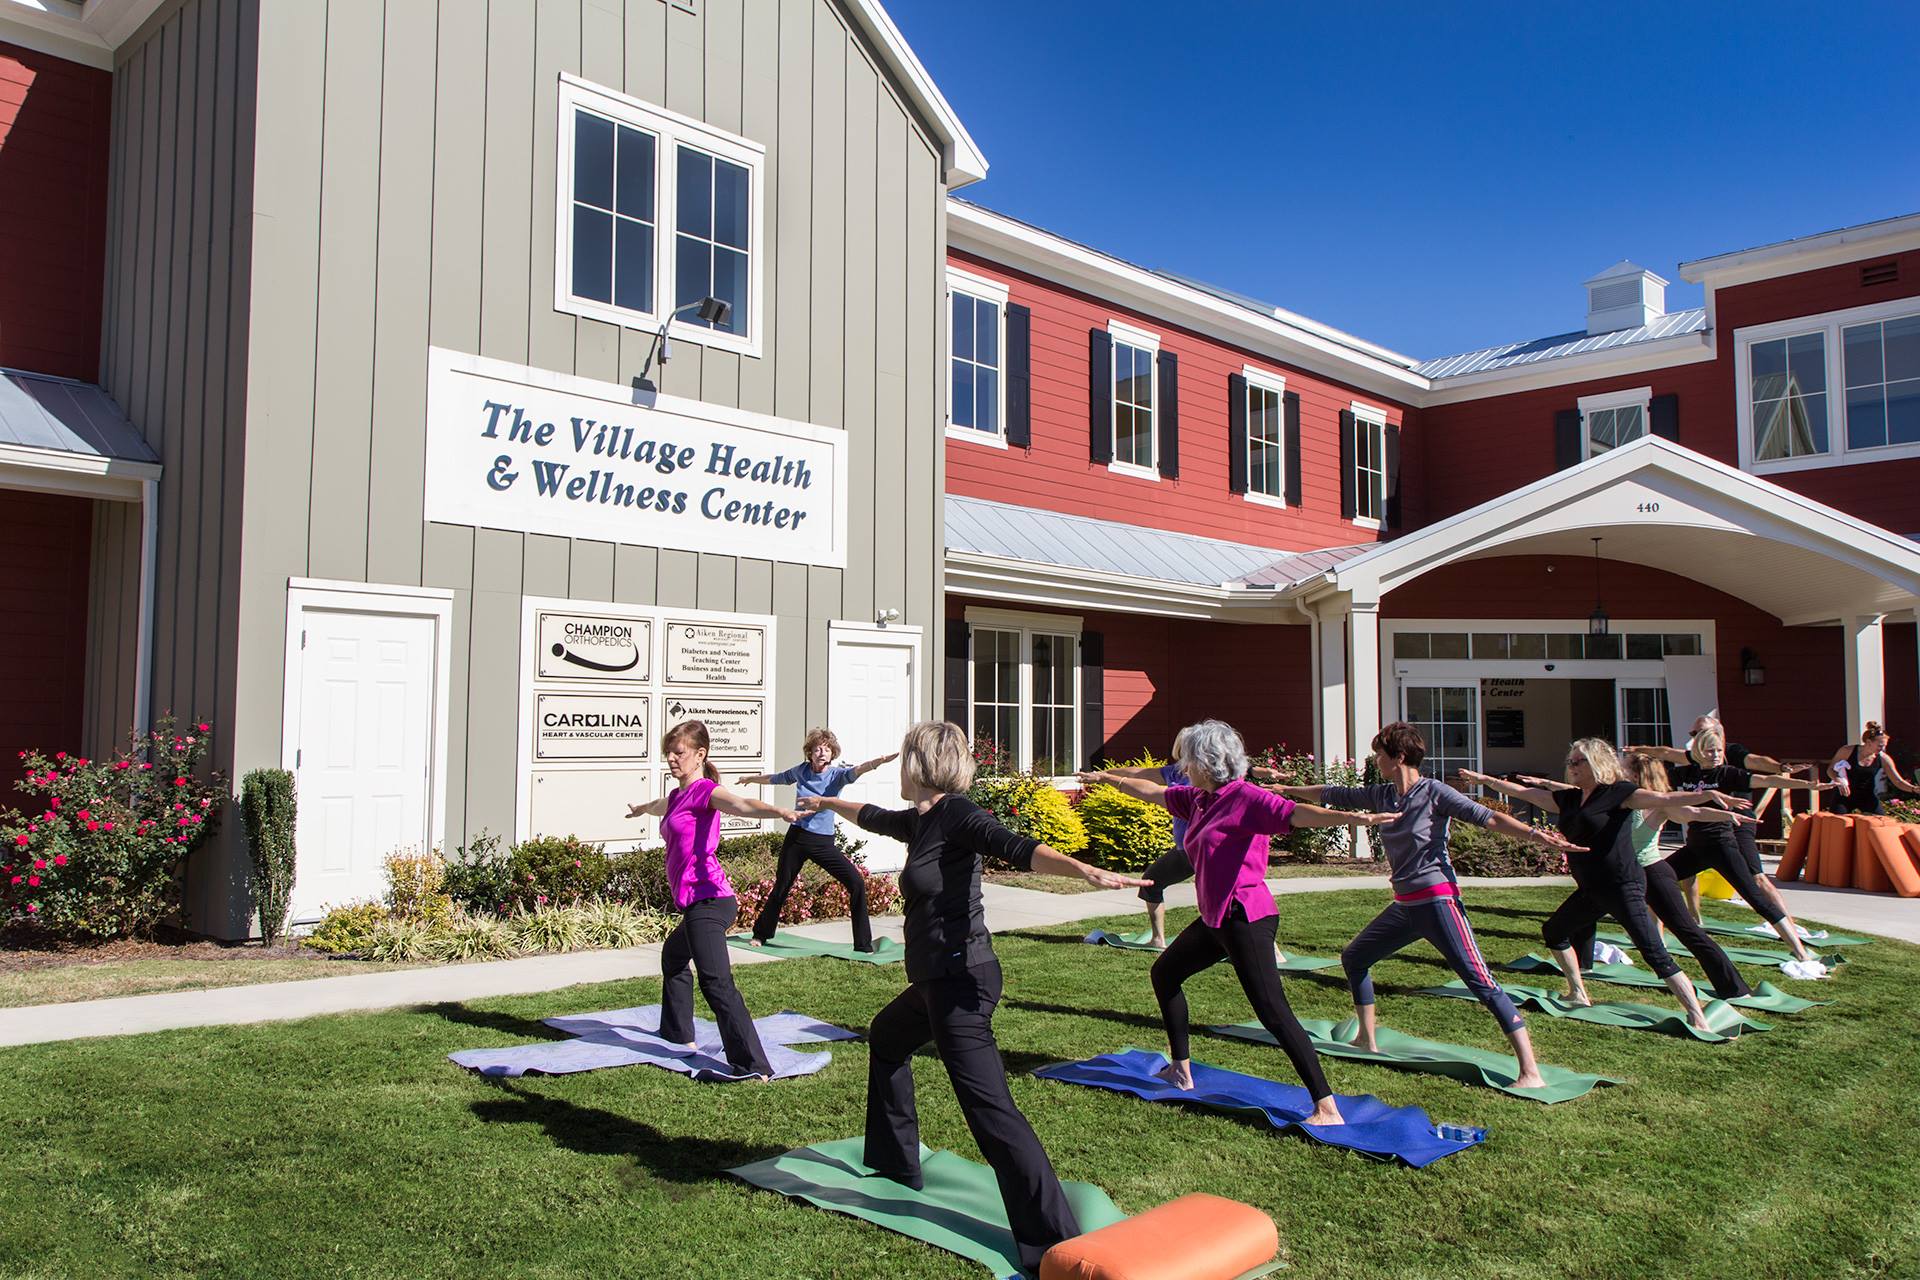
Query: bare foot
1580	998
1699	1021
1159	943
1362	1040
1326	1111
1177	1074
1530	1080
1279	956
756	942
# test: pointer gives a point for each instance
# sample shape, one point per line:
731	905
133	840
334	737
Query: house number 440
1647	508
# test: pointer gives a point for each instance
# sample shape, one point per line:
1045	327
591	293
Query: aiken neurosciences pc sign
510	447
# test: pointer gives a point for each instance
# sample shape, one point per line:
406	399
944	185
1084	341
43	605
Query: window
656	213
1643	714
1448	719
1369	466
1266	448
1552	646
1025	692
1134	391
976	331
1613	419
1830	390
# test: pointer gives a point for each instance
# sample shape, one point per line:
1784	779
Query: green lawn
348	1146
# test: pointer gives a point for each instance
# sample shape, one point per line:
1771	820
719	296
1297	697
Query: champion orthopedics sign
580	646
509	447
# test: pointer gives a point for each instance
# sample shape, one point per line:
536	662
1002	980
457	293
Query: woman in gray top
1426	897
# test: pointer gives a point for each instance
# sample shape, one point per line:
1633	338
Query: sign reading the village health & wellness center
510	447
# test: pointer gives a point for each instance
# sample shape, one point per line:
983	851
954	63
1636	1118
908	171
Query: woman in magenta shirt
690	824
1229	824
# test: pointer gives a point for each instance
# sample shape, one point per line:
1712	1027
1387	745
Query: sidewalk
1008	908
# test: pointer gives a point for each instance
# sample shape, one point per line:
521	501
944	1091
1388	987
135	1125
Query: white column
143	635
1330	714
1866	681
1363	683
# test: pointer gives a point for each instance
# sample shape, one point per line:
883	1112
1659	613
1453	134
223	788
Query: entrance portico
1653	504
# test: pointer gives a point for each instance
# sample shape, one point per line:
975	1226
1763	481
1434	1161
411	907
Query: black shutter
1663	417
1019	376
1347	507
1093	698
1392	434
1237	432
959	645
1100	396
1566	439
1292	438
1169	407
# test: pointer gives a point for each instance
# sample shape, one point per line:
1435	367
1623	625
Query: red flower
33	882
146	766
93	826
123	764
55	802
60	859
22	840
84	815
39	864
18	879
185	821
32	907
179	782
203	727
59	755
105	826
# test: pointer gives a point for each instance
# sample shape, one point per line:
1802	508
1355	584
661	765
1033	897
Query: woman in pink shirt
1229	823
690	824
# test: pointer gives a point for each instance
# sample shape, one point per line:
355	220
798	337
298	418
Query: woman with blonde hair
690	824
955	982
1859	768
1596	806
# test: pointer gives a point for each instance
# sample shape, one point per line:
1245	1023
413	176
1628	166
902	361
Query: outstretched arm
1050	861
1784	783
1312	815
744	807
1763	764
651	809
1666	755
868	766
1545	837
1148	789
1539	797
1893	774
1311	795
848	809
1704	813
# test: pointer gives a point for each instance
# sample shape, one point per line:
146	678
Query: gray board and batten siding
401	197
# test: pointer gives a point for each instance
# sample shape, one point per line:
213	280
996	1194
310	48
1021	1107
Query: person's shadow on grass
667	1157
505	1023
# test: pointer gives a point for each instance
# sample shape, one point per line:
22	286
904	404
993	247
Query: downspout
143	636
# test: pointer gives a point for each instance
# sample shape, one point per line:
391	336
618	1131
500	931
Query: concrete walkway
1008	908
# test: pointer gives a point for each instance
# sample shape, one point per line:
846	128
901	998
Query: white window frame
1372	416
1027	625
1830	324
986	290
1635	397
1261	379
670	130
1121	332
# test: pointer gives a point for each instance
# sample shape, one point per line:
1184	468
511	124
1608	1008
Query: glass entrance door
1448	717
1643	713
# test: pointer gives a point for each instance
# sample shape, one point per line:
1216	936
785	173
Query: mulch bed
25	950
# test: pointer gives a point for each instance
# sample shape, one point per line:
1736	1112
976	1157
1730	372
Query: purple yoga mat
626	1037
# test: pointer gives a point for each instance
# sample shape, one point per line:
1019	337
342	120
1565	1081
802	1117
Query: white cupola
1624	296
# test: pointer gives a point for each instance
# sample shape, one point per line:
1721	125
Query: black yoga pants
1668	902
1170	867
1624	897
699	941
1713	851
800	847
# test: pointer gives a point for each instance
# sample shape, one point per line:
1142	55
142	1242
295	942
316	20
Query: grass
349	1146
98	980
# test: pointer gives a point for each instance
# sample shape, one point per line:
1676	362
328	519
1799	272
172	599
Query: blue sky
1435	178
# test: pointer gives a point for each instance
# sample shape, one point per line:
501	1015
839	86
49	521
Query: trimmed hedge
267	807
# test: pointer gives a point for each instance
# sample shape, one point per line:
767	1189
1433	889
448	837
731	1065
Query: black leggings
1617	888
1249	946
956	1013
800	847
1669	903
700	941
1706	849
1171	867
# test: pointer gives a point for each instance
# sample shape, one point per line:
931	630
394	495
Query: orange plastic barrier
1197	1237
1833	852
1869	873
1799	840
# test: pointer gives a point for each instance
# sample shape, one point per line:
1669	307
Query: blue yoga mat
626	1038
1373	1128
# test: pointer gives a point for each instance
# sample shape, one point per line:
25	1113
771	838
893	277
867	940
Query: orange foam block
1799	840
1869	873
1197	1237
1902	861
1833	853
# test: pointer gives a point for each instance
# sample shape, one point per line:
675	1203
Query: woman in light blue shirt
811	838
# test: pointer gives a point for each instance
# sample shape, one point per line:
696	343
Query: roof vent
1624	296
1880	272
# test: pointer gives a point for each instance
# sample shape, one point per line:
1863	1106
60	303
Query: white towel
1804	968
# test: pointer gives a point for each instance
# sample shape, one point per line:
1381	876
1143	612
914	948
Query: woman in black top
956	982
1867	761
1596	813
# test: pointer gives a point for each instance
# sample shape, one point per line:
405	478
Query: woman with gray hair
1230	822
955	982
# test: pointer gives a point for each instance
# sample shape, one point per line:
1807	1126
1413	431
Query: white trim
978	288
974	435
1134	469
143	637
1829	324
963	161
1071	587
1121	331
1026	626
1259	499
88	475
670	130
1635	397
1016	620
377	598
1139	340
1589	366
1266	380
54	27
1787	257
1369	413
1372	416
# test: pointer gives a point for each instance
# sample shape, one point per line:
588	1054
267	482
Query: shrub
615	924
1030	805
820	898
401	939
1303	769
468	937
478	876
347	930
550	929
557	870
414	886
1123	834
990	759
103	859
267	807
1477	851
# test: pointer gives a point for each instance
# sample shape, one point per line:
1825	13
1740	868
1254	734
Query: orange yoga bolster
1900	855
1197	1237
1836	853
1869	870
1795	857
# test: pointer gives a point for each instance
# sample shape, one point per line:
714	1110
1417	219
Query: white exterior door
364	729
1692	691
1448	716
872	697
1642	713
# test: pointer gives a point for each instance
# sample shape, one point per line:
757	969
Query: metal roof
39	411
982	527
1672	325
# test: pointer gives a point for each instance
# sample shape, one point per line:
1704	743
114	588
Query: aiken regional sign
509	447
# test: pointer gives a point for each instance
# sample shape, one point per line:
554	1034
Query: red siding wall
43	626
1055	475
1800	712
54	120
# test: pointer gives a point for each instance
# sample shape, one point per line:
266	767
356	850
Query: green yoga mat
959	1210
1143	941
1766	997
1431	1057
1732	930
1769	956
1726	1021
793	946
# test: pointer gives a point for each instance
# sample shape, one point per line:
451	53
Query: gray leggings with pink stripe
1441	922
